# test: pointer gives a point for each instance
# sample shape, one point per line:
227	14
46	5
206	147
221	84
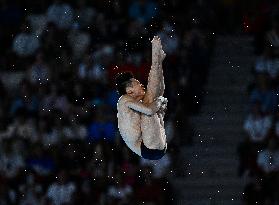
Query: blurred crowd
259	151
59	141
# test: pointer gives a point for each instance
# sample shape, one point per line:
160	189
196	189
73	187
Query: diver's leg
161	118
151	131
155	85
161	74
154	146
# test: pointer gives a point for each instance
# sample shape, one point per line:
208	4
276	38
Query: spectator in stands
90	70
39	72
25	99
268	159
47	99
61	102
38	23
268	162
25	43
143	10
11	161
268	64
46	133
23	126
263	93
32	193
79	41
61	14
74	130
61	192
56	134
257	125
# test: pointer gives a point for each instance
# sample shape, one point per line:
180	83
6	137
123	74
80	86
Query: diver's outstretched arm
145	108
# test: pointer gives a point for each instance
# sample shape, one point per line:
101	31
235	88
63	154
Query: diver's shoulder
121	101
124	98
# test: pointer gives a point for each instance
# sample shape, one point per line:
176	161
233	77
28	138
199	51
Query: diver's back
129	124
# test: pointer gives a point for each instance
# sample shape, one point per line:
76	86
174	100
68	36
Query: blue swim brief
152	154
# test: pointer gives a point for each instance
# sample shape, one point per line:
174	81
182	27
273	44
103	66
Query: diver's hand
156	105
163	99
164	103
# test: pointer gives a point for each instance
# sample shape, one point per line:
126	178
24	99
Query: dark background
58	128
